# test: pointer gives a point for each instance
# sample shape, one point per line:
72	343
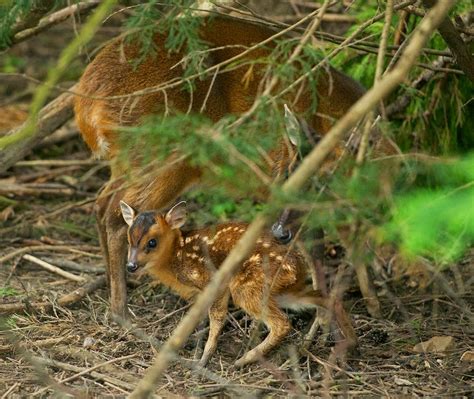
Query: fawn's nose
132	267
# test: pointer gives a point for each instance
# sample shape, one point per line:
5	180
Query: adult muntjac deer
271	278
113	73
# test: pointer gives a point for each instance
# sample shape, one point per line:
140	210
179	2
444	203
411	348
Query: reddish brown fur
272	277
111	73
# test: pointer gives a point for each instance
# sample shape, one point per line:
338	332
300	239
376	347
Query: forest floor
47	212
78	349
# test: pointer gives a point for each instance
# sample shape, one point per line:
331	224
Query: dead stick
60	162
53	19
90	369
51	117
54	269
32	248
65	300
76	369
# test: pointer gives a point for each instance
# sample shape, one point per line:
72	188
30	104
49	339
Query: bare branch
65	300
51	117
451	36
54	19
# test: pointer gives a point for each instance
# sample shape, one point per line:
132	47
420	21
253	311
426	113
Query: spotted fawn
273	276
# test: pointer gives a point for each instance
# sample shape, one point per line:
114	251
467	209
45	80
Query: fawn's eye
151	243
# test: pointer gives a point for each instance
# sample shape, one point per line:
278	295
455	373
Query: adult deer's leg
116	244
100	208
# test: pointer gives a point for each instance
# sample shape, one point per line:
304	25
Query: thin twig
32	248
54	269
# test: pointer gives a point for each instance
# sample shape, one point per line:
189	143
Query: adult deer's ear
176	216
292	126
128	213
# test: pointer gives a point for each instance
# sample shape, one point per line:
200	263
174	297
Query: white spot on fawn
255	258
103	147
279	258
266	245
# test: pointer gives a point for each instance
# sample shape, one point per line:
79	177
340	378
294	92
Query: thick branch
65	300
54	19
451	36
39	9
51	117
309	166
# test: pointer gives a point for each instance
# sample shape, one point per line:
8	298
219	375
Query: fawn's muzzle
132	263
132	267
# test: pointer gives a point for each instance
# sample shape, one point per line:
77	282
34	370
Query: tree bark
51	117
453	39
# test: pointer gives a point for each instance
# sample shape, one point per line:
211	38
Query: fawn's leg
273	317
217	316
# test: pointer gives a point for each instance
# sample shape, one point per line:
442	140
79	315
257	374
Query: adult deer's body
271	278
112	73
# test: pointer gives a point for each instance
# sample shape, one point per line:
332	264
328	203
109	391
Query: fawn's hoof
249	358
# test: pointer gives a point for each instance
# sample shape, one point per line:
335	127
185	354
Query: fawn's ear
176	216
292	126
128	213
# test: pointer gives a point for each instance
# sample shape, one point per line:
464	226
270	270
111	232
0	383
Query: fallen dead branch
65	300
54	269
32	248
51	117
38	190
308	167
44	343
60	162
71	265
94	374
85	371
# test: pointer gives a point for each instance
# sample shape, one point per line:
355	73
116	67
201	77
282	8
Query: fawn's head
151	235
